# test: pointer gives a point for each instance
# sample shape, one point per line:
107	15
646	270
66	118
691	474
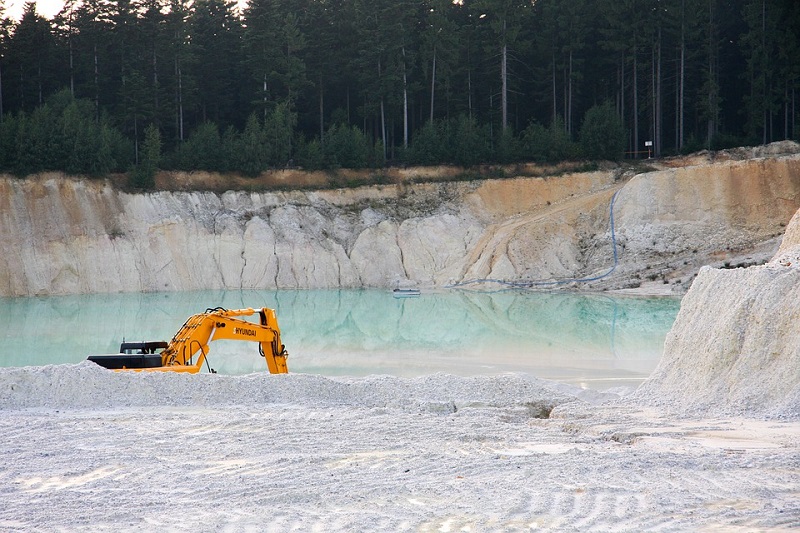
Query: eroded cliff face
730	213
62	236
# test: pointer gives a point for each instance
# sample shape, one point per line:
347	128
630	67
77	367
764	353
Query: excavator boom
187	350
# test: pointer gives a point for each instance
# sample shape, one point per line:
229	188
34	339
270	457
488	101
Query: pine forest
138	85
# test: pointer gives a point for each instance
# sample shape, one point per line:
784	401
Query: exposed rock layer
64	236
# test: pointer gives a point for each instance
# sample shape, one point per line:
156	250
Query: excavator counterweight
187	350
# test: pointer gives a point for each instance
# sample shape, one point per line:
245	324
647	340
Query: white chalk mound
88	386
735	346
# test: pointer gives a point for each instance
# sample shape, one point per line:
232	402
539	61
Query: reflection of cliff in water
459	320
362	331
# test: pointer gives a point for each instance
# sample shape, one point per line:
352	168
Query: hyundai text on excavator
187	350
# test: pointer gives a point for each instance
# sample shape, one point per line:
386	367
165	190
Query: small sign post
649	145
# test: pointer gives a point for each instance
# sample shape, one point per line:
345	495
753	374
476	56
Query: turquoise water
588	339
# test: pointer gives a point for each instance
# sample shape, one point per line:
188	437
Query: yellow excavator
187	350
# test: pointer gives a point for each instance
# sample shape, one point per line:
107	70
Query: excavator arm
187	350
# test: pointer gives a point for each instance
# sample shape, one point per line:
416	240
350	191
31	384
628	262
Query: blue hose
551	283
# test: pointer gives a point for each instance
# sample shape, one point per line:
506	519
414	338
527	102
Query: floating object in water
405	293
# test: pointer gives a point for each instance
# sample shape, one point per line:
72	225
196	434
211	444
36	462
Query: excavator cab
143	348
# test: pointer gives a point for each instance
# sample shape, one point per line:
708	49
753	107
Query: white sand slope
86	449
734	348
733	351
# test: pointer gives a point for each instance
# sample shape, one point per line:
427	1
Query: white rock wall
716	205
62	236
65	236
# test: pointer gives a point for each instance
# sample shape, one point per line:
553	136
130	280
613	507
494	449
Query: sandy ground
86	449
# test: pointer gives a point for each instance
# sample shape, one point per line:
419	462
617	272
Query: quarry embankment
67	235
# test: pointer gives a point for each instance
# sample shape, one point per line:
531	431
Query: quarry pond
595	341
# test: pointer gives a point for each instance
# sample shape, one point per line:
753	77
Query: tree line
115	85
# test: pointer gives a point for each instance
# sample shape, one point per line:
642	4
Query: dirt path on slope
494	243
